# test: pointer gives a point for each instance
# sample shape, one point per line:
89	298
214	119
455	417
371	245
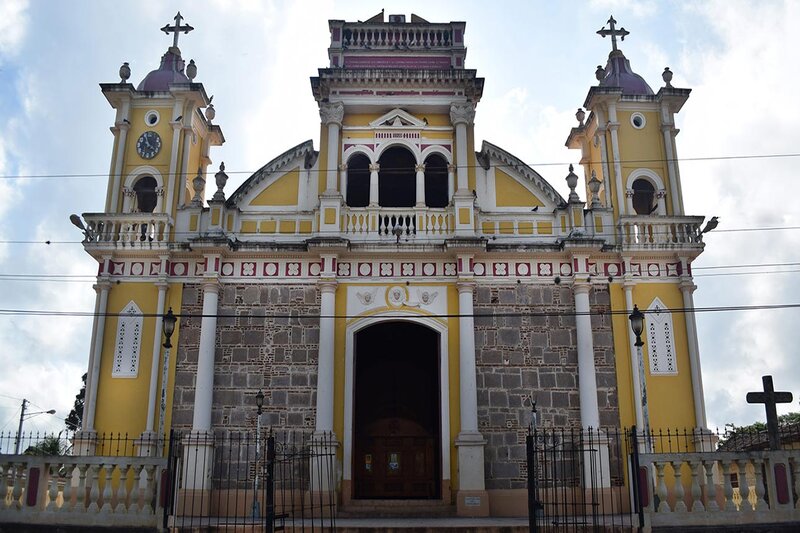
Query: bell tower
628	139
163	131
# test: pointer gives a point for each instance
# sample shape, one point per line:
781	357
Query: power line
297	316
405	169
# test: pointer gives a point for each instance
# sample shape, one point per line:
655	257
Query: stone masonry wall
253	351
524	355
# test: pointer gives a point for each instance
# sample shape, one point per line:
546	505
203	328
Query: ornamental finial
613	32
176	29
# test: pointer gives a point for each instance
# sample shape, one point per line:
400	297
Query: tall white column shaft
122	137
687	288
461	156
373	183
677	207
420	185
466	359
155	366
96	355
204	381
637	385
325	360
343	181
587	376
451	182
333	156
97	352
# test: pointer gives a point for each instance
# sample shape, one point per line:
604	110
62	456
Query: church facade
397	285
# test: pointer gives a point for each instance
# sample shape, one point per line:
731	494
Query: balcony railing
381	36
659	232
390	223
127	229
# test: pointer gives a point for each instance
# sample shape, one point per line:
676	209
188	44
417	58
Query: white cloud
13	25
638	8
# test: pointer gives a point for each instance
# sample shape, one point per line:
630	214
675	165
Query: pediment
397	118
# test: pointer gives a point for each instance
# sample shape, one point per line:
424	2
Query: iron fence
82	444
252	481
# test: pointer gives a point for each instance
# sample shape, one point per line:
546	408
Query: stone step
432	525
396	508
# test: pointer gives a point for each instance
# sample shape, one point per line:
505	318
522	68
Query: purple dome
620	74
170	71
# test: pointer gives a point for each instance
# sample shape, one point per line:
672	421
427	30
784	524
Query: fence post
531	457
269	485
634	475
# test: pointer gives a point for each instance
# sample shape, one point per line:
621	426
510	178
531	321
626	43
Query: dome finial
176	29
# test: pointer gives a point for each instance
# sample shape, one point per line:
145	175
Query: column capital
211	284
103	284
331	113
327	285
451	168
687	285
374	167
465	286
342	167
162	284
420	167
581	287
462	113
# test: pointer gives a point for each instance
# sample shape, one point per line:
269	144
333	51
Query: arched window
436	181
357	194
397	178
146	197
644	197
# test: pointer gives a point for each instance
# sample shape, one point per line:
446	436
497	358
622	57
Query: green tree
74	420
745	435
47	446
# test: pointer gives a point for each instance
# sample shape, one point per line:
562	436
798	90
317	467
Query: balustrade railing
659	232
380	36
388	223
127	229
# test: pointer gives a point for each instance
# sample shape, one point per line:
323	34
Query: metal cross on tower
176	29
622	32
770	398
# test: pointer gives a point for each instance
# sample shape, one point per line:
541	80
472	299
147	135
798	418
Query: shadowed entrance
397	408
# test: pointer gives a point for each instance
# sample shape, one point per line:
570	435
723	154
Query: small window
357	193
644	196
152	117
129	341
146	197
638	121
436	181
397	186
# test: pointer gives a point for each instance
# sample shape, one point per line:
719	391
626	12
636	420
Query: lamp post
168	322
23	416
637	325
259	406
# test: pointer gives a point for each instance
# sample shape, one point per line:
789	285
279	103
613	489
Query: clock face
148	145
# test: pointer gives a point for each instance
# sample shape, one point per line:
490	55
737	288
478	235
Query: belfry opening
397	413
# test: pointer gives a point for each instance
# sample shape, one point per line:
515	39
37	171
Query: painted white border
349	367
658	185
641	116
133	177
147	114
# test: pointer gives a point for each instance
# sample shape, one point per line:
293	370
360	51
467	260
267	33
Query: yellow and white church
394	279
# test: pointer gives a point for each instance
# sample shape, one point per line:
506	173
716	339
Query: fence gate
576	481
258	482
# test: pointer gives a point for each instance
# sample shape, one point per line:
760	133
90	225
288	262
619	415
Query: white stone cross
177	29
622	32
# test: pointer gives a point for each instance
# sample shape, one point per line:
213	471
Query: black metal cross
770	399
177	29
613	32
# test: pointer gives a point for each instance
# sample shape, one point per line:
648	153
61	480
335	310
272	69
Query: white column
96	355
466	359
343	181
373	183
613	127
420	185
204	382
451	182
637	386
122	135
677	207
331	115
687	288
587	377
461	116
155	364
171	186
325	362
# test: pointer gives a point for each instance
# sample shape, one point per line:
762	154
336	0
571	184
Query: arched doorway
396	412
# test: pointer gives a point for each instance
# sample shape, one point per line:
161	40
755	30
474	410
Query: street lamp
637	325
168	326
259	410
23	416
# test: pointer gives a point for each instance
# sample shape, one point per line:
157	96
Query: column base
470	447
596	464
198	461
323	465
84	442
472	503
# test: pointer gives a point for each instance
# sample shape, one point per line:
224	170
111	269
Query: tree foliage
74	420
47	446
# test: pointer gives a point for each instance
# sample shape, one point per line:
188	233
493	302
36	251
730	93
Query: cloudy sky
538	58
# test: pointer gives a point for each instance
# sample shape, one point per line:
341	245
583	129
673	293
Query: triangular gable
511	166
397	118
509	192
301	155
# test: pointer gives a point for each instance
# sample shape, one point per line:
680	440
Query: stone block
560	338
498	398
560	399
280	337
508	337
483	295
491	380
512	381
547	380
565	380
507	296
253	337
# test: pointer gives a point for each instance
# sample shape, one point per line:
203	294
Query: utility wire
406	169
297	316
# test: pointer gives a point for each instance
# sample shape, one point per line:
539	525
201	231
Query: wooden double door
397	443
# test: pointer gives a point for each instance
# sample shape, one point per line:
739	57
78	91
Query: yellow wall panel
268	226
525	228
248	226
511	193
287	226
283	191
306	226
506	227
544	228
